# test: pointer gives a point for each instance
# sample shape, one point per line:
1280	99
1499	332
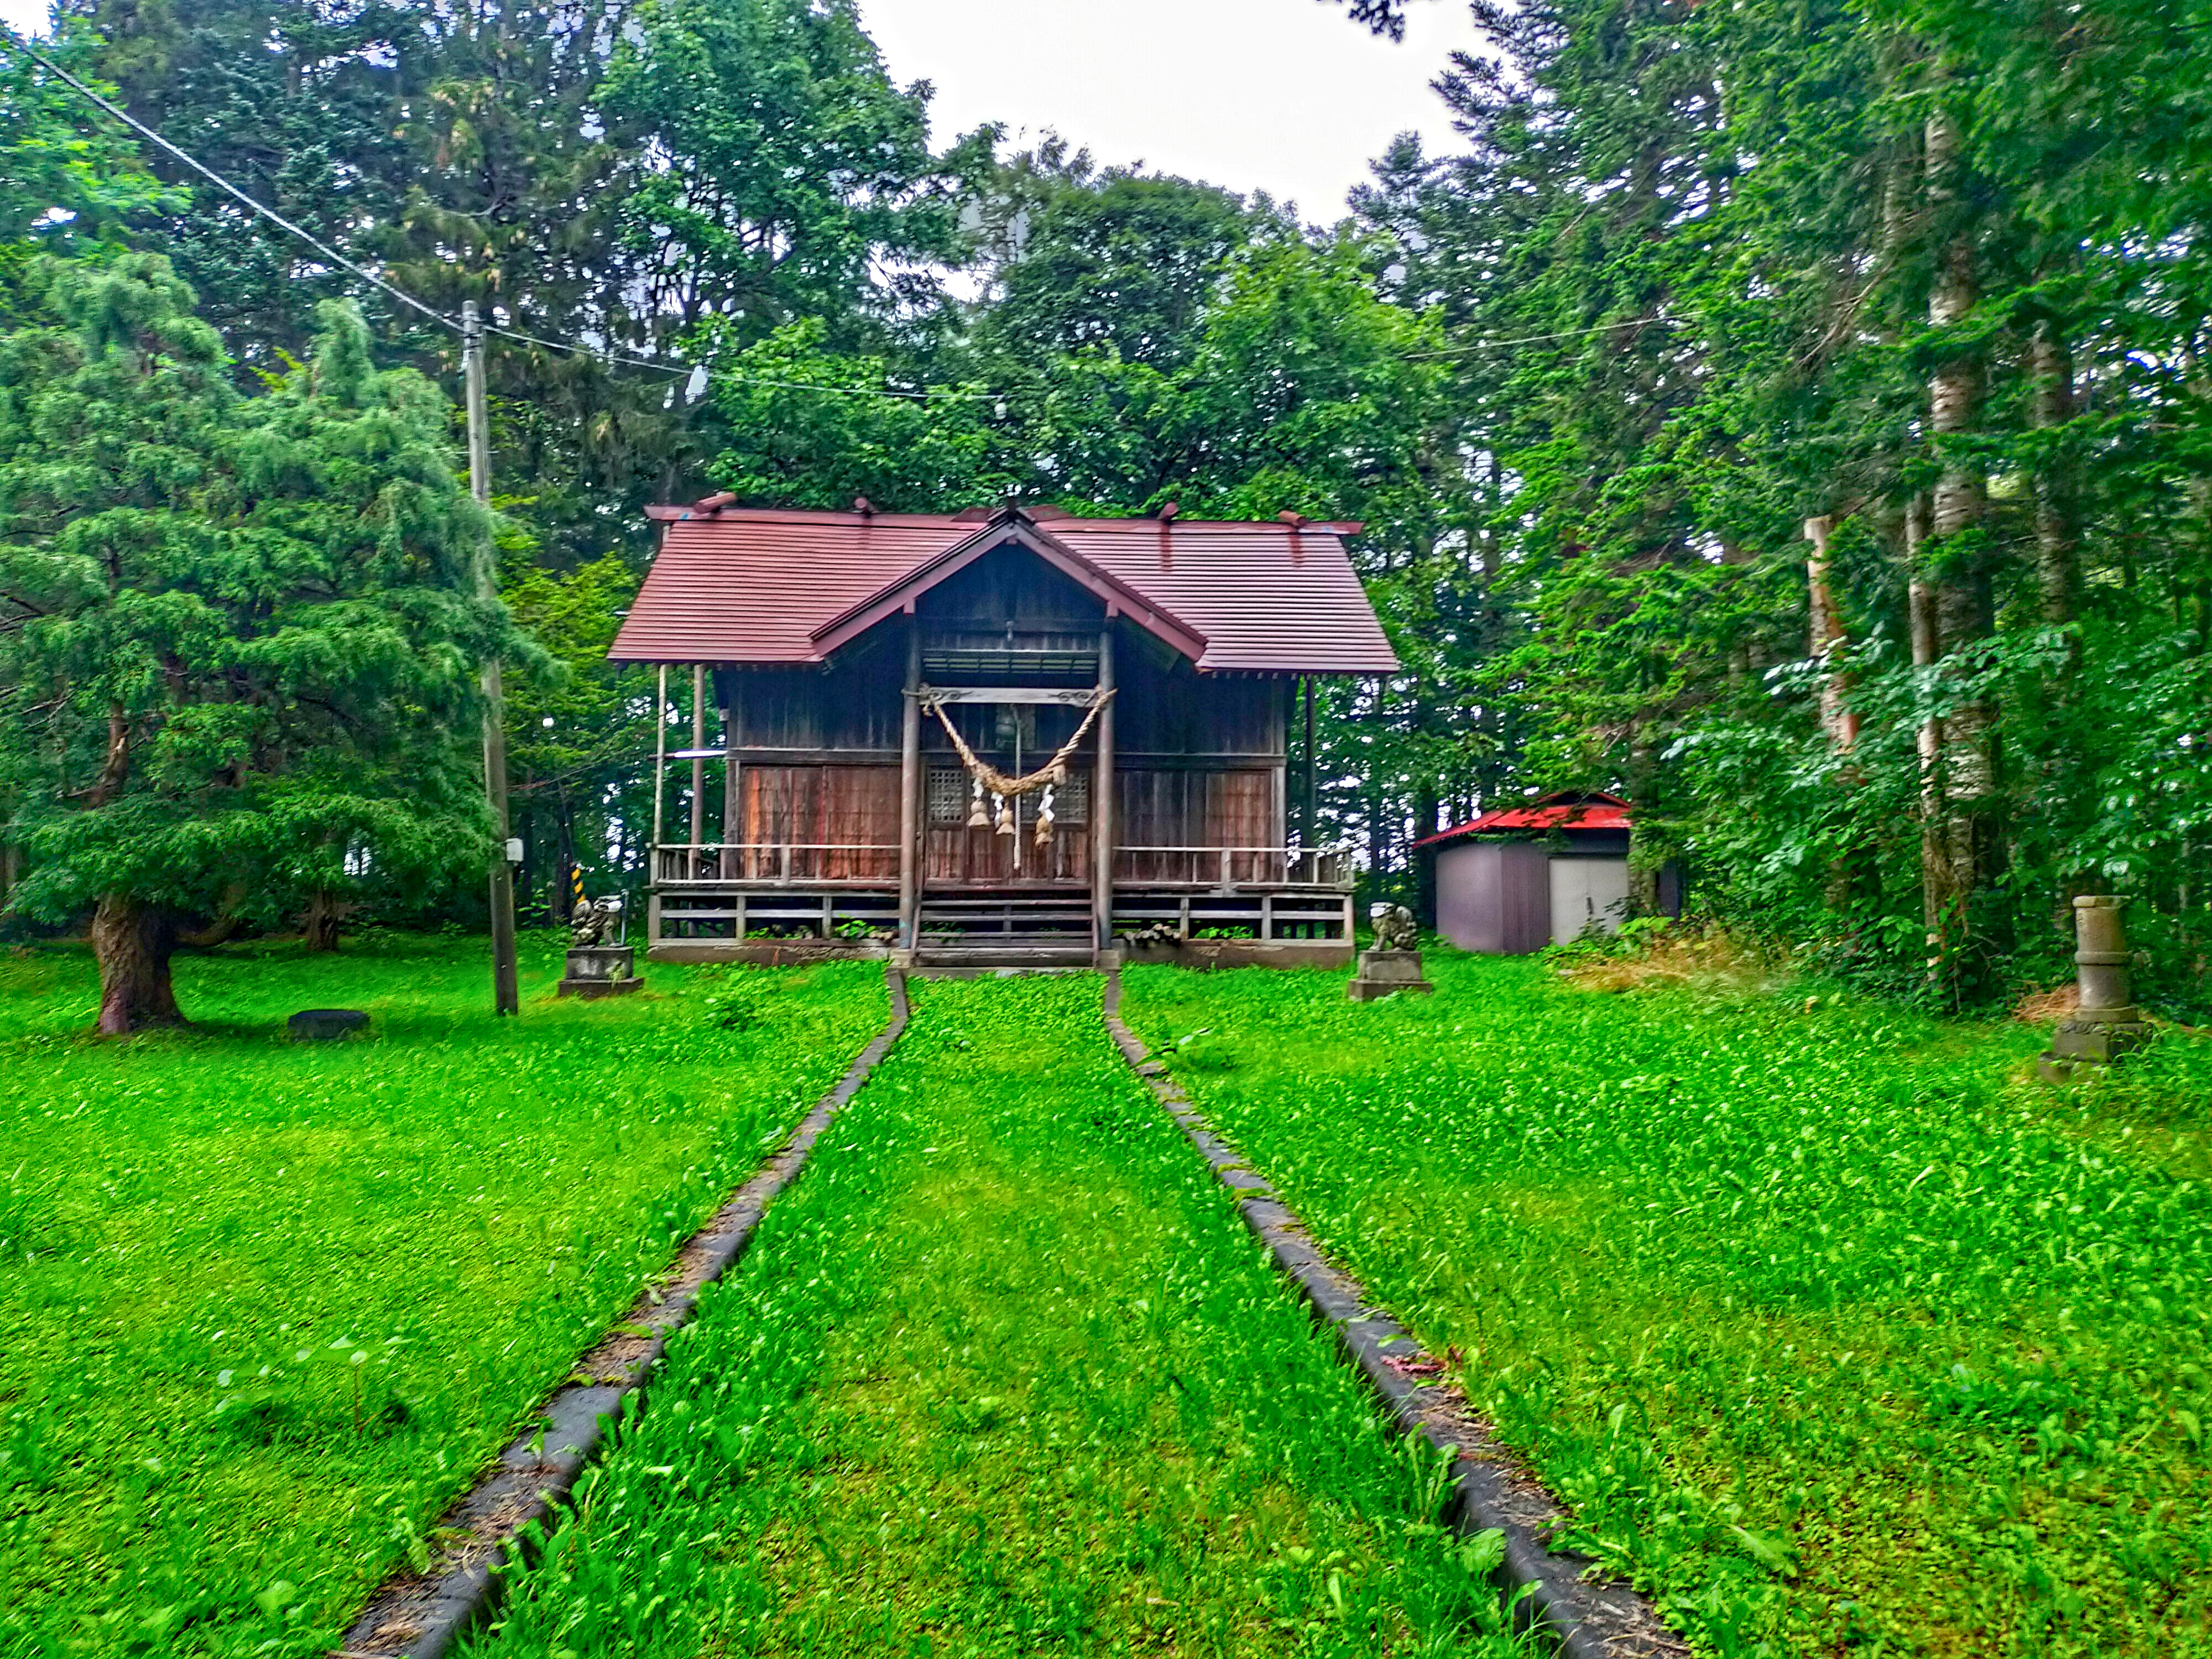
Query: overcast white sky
1282	95
1287	96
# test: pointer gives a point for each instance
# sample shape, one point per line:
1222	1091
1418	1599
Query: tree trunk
133	942
564	830
1830	639
1643	788
320	921
1426	808
1971	841
1970	817
1908	189
1926	647
2057	536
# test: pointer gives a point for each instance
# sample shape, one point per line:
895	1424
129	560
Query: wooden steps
972	955
968	935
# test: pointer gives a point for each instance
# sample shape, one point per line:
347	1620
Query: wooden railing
676	863
1229	867
1222	868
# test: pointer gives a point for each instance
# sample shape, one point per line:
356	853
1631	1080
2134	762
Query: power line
610	355
219	181
603	354
741	380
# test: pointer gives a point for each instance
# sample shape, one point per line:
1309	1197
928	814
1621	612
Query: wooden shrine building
992	739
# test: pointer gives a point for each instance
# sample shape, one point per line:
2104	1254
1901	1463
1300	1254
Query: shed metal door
1587	892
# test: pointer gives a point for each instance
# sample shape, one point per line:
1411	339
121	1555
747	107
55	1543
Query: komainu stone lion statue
594	922
1394	927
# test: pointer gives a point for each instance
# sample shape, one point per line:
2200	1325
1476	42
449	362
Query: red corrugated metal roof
1568	809
767	585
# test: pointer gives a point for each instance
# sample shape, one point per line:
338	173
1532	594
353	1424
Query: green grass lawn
1004	1375
199	1230
1838	1335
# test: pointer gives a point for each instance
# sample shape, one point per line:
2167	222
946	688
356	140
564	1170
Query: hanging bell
1005	816
977	817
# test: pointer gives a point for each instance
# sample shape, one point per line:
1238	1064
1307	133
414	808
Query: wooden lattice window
1071	801
948	800
950	795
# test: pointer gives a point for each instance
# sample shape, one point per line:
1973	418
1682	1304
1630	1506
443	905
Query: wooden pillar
733	773
1308	829
698	763
659	775
911	829
1101	800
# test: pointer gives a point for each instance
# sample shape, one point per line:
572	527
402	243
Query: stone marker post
2107	1025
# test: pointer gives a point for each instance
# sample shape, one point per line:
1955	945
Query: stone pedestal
2107	1025
327	1025
1383	973
601	970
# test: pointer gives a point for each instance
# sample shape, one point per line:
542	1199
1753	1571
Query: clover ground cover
1838	1336
1003	1374
199	1232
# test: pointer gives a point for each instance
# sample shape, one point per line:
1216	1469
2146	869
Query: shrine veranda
1829	1325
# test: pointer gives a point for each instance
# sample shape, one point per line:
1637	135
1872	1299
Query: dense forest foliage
1793	416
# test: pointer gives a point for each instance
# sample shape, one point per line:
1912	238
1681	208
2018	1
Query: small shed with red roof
1519	877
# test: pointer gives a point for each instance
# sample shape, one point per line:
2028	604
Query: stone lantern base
1383	973
2090	1039
2107	1025
601	970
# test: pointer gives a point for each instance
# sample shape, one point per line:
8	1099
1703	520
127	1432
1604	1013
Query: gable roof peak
1011	529
769	586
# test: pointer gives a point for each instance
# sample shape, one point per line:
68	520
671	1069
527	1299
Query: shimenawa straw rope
1053	771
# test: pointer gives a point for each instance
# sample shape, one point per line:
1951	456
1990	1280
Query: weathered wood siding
1010	585
1181	713
848	814
851	704
982	857
1190	808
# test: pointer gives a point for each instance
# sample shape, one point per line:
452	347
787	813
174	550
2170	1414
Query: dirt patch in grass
1709	960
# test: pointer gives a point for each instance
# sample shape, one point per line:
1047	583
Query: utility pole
505	995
